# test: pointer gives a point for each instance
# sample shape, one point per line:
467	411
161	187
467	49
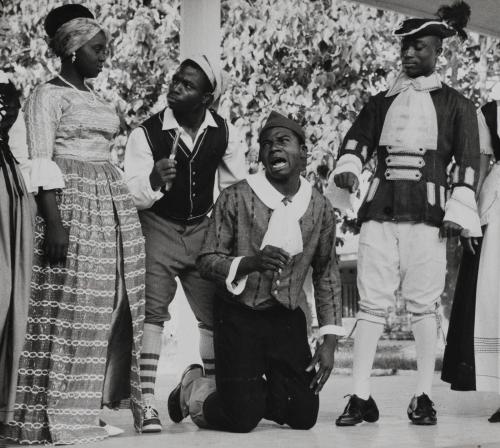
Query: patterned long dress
85	316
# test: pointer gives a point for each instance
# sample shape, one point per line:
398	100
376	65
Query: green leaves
316	60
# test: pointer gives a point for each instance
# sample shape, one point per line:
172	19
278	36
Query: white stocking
365	346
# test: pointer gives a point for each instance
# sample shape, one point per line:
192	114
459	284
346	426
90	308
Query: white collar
272	198
170	122
421	83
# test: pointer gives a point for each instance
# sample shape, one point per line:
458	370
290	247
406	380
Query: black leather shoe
357	411
177	410
421	411
495	418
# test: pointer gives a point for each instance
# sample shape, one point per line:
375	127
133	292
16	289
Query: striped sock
150	354
207	351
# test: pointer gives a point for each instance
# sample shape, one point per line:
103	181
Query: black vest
490	114
191	196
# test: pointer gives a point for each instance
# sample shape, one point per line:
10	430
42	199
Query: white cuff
349	163
332	329
340	198
45	173
144	196
235	286
461	209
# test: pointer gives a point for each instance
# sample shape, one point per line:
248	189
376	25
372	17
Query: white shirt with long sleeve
139	160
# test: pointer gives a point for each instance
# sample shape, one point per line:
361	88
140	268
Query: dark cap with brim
276	120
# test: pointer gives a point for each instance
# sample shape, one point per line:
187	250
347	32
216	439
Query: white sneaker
110	429
151	420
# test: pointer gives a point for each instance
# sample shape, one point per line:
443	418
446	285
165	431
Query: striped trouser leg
150	354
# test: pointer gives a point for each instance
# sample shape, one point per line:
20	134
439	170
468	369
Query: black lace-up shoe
421	411
357	411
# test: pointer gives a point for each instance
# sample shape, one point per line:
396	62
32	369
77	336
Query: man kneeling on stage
265	233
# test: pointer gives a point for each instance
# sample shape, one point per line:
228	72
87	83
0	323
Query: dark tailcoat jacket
413	186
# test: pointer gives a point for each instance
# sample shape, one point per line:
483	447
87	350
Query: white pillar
200	27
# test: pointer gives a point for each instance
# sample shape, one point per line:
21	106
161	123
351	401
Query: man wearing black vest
171	162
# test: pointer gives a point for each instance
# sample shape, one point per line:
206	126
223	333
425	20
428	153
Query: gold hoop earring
73	58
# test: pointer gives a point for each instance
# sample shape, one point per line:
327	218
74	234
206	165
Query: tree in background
318	60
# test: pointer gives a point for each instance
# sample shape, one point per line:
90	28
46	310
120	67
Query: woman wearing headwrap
87	296
16	239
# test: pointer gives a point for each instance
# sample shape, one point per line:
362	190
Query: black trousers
261	357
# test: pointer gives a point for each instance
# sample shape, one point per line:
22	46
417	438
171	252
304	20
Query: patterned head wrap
73	35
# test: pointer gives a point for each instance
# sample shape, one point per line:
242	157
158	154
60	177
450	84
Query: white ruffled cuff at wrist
349	163
461	209
342	198
45	174
235	287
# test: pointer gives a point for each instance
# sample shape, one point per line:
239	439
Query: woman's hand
56	236
56	243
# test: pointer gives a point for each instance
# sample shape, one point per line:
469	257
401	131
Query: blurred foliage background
316	60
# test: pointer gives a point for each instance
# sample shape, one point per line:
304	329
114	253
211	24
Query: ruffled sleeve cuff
235	287
45	174
349	163
341	198
461	209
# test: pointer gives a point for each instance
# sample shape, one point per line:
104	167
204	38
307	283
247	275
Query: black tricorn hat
450	20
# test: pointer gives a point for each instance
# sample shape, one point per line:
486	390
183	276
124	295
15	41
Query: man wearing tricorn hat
415	128
171	162
264	235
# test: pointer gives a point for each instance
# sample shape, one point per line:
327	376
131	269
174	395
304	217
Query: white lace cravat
411	120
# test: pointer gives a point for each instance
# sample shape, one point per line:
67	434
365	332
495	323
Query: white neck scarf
283	230
420	84
411	120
